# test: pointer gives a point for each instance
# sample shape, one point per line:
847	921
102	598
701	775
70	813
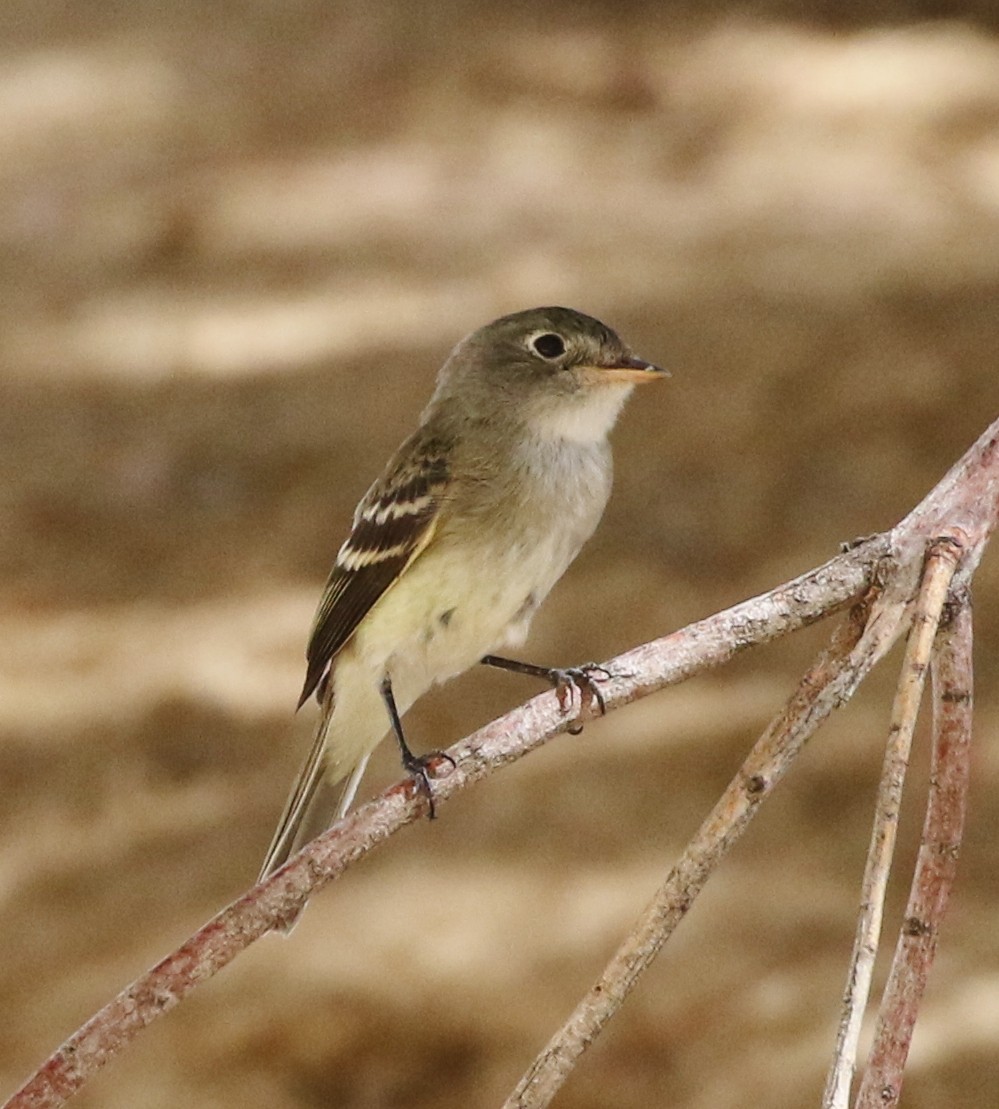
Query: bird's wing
392	525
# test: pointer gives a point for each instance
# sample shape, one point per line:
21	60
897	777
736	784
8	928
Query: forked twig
936	865
941	564
966	498
966	504
855	648
643	670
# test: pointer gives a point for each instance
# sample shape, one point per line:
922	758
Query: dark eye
548	345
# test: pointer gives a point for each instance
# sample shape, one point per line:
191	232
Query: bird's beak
630	369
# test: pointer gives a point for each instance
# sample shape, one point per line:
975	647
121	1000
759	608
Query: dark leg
584	678
414	764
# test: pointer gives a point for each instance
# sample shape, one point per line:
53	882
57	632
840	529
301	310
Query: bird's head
563	373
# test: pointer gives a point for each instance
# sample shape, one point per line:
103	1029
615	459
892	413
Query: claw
424	769
584	678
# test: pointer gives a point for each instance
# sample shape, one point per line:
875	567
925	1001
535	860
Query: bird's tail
317	799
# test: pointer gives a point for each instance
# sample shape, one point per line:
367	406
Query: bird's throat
586	417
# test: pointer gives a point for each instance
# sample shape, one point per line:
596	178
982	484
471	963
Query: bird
454	547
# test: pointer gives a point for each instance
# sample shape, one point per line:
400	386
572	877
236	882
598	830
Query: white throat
586	417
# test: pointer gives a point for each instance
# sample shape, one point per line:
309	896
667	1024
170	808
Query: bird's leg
584	678
417	765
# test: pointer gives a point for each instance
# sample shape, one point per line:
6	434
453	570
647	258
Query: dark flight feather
392	524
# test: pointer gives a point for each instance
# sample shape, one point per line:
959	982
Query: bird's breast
490	564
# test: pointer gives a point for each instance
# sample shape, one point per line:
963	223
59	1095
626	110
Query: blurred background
236	241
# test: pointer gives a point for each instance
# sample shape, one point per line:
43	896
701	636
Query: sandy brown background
235	242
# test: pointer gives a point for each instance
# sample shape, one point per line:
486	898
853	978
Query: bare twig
969	495
965	498
639	672
856	646
936	865
941	563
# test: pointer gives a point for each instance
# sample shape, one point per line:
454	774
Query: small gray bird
455	546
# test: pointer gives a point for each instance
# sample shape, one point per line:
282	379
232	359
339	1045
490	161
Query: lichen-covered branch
966	498
941	562
936	865
639	672
856	647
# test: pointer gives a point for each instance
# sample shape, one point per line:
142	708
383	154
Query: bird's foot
584	679
564	681
424	769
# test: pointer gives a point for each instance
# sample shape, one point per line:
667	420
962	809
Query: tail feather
324	804
328	801
299	803
351	724
346	798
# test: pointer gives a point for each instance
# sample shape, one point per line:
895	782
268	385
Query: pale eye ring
548	345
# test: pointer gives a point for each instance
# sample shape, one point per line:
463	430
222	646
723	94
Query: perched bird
452	550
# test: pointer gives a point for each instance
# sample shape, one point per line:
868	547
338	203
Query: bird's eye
548	345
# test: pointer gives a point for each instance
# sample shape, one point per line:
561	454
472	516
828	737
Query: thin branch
637	673
936	865
968	497
941	562
856	646
965	500
969	494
